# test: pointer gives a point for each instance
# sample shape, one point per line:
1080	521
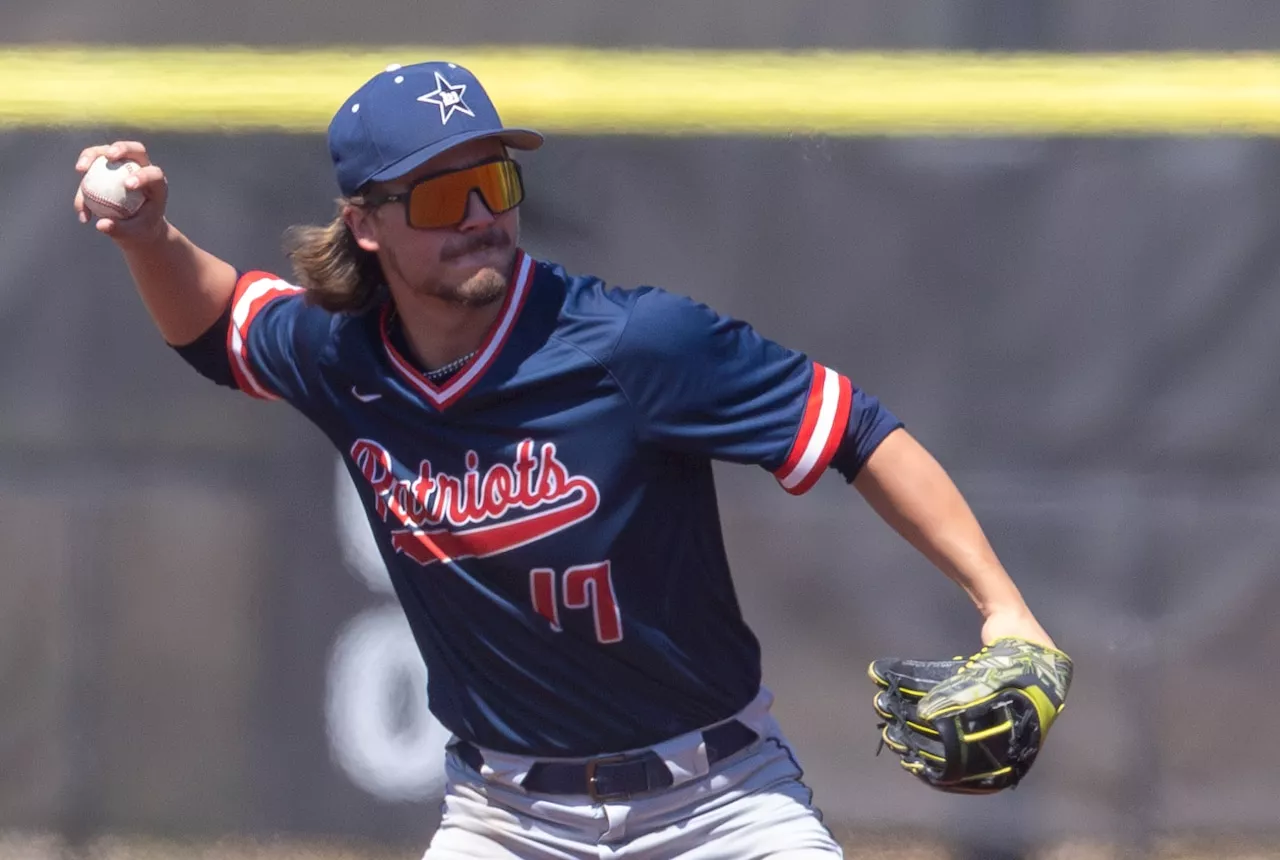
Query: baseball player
534	452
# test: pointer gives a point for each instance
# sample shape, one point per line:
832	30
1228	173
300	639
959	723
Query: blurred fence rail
663	92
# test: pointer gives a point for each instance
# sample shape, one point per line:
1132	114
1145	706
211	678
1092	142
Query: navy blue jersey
548	515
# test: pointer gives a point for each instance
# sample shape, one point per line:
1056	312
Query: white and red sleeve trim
254	291
826	416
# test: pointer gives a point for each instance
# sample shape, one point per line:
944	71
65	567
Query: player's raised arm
185	288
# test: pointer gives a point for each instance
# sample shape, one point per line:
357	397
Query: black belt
616	777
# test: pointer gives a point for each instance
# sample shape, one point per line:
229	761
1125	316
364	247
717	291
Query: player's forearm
908	488
184	287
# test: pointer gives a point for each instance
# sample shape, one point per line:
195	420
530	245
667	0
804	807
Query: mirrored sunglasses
440	200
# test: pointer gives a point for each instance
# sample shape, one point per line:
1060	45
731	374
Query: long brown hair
337	274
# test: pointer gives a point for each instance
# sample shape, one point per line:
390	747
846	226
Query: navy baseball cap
406	115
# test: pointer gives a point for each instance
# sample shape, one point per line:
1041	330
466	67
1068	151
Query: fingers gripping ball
971	726
104	191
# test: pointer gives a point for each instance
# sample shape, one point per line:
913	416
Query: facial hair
481	289
484	287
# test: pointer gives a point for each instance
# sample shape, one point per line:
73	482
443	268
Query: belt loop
701	761
685	757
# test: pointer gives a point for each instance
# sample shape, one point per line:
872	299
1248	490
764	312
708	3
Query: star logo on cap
447	97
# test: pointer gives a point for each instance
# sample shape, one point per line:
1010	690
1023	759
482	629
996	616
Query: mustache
491	238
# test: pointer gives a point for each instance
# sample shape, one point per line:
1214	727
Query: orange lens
441	201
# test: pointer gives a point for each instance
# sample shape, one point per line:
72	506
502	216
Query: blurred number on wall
380	731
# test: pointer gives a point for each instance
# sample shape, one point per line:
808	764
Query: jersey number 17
584	586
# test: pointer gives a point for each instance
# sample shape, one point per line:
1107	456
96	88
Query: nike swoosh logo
364	398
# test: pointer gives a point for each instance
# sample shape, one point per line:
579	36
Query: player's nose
478	215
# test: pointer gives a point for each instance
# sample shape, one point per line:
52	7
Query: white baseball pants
750	806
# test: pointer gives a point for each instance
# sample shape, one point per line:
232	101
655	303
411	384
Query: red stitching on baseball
110	204
127	167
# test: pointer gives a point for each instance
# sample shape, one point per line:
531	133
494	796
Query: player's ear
360	221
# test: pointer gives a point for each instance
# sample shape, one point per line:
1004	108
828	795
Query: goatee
488	284
480	290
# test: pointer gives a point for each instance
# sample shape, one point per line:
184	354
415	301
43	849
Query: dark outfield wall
1083	331
1067	25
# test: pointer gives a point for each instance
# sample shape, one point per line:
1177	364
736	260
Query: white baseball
103	189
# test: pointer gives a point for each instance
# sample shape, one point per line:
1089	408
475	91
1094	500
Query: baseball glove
971	726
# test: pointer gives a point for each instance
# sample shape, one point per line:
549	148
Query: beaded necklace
441	372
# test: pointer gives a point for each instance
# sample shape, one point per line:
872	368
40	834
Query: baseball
105	195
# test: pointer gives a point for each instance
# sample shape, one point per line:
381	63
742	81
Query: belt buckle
602	797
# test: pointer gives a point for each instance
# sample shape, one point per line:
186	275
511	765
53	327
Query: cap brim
516	138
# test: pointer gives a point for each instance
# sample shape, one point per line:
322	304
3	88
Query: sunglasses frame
404	196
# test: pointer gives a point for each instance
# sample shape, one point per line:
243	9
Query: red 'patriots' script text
534	482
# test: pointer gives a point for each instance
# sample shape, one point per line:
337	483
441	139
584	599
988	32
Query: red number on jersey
591	585
586	586
542	587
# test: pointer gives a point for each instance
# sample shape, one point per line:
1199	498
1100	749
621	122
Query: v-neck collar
448	392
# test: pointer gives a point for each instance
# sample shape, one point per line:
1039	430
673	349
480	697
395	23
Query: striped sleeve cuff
826	416
254	291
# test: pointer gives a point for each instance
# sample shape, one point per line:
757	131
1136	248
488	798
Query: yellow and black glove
972	726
